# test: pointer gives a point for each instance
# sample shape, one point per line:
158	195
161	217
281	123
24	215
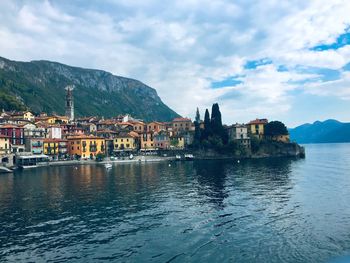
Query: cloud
182	47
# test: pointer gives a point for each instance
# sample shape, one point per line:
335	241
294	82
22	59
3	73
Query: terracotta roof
83	137
180	119
156	122
259	121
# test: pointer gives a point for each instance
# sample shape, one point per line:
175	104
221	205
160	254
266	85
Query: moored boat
189	156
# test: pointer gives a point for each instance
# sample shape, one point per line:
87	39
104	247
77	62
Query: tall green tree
216	124
197	131
275	128
207	125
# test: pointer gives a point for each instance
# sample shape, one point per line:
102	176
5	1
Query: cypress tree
197	131
216	122
207	125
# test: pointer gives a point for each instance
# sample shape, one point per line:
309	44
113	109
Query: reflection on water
282	210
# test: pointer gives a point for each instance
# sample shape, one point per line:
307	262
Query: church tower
69	102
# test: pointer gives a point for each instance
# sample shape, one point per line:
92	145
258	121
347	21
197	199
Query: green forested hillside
39	86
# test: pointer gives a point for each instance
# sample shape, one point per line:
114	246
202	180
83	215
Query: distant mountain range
39	86
329	131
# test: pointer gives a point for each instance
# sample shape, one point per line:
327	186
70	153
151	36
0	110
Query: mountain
329	131
39	86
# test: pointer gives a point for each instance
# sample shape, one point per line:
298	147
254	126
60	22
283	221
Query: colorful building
162	140
281	138
177	142
147	141
5	145
139	126
55	148
86	146
156	126
180	125
256	127
124	142
16	134
34	145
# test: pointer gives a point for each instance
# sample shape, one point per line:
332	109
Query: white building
54	132
239	132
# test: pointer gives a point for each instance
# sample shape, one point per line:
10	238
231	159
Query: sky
281	60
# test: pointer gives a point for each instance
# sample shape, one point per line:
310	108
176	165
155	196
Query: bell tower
69	102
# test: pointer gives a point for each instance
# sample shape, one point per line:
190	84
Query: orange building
181	125
147	141
86	146
155	126
139	126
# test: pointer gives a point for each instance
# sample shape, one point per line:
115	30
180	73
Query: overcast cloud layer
286	60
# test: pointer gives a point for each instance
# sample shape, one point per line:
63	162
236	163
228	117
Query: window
72	148
127	140
128	145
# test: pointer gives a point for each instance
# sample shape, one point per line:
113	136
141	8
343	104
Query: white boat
108	165
189	156
178	157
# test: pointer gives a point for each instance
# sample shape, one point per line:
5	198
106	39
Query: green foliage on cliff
275	128
39	86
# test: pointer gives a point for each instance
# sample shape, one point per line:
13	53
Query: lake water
277	210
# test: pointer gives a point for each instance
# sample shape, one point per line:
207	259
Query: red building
16	136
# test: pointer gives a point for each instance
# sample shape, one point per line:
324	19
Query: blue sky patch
342	40
253	64
282	68
229	82
347	67
325	74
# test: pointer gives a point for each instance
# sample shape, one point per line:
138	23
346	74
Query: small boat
189	156
5	170
177	157
108	165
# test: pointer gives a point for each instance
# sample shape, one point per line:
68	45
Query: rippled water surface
277	210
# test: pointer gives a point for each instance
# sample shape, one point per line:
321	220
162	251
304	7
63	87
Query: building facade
256	127
55	148
5	145
86	146
124	142
16	135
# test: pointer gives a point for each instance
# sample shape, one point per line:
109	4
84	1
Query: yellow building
125	142
56	148
27	115
5	146
177	142
281	138
86	146
256	127
52	119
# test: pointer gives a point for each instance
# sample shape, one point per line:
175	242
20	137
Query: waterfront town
25	136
